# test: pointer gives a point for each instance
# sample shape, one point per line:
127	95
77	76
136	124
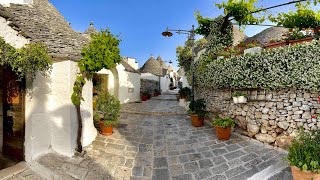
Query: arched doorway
107	81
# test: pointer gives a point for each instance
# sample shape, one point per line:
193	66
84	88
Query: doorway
12	117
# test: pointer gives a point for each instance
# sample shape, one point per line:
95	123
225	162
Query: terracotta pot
303	175
299	41
196	121
223	133
275	44
105	130
144	98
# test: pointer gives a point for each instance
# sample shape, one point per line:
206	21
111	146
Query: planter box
275	44
239	100
253	50
242	99
299	41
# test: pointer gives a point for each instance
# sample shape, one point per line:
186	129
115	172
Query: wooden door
13	92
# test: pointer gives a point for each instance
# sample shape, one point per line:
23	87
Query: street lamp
191	37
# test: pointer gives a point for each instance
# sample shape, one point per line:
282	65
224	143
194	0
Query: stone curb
152	113
13	170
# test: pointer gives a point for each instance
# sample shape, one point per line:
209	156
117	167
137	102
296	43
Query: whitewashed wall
7	2
164	83
122	84
10	35
184	81
129	85
51	119
149	76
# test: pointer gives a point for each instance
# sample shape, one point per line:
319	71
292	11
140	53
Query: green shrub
185	93
197	107
294	66
304	151
223	122
107	110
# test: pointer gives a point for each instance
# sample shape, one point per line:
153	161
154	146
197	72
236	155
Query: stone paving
165	147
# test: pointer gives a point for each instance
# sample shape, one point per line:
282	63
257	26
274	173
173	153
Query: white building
44	119
156	70
123	81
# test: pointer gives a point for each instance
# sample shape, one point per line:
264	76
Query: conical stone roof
268	34
163	64
151	66
91	29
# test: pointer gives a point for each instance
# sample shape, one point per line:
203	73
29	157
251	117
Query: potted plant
156	92
197	112
223	127
185	93
304	155
107	113
144	96
239	97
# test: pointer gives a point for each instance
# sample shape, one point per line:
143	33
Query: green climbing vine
27	61
101	53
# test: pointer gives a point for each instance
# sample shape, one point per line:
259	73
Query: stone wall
148	85
269	116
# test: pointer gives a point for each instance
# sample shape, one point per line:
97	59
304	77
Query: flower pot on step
196	121
303	175
144	98
105	130
223	133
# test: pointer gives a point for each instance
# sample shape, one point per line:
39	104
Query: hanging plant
27	61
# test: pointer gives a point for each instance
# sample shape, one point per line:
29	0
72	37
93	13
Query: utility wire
285	4
269	25
276	6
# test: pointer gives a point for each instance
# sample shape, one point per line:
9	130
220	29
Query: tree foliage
241	11
303	17
101	53
27	61
204	24
184	53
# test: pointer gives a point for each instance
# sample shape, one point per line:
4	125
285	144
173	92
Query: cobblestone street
166	146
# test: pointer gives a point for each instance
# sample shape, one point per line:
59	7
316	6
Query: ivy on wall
27	61
294	66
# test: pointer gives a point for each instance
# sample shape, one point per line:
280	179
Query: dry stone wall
148	85
269	116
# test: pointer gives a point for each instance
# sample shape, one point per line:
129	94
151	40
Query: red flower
313	116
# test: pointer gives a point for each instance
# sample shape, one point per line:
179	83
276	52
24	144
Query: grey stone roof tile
41	22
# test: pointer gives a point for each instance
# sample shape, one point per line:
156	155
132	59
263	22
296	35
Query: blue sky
140	22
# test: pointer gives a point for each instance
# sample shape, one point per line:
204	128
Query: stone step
270	171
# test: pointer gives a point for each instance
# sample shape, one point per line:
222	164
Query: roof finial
91	23
151	55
